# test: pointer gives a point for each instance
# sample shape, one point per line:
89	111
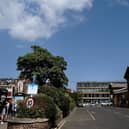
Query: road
98	118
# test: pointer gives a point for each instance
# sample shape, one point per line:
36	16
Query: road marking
91	115
117	112
93	112
62	124
127	116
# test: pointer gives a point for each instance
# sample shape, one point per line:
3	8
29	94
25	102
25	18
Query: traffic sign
30	101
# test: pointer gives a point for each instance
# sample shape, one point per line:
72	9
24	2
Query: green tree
75	96
44	65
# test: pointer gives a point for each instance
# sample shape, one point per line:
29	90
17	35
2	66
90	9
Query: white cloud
123	2
119	2
34	19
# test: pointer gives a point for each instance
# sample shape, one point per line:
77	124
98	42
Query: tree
75	96
44	65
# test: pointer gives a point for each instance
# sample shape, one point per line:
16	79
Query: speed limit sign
30	102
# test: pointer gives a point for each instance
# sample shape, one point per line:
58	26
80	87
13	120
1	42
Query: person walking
10	109
3	112
14	108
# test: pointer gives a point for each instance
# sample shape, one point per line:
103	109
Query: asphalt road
98	118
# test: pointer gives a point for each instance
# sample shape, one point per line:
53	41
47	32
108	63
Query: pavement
97	118
62	122
3	126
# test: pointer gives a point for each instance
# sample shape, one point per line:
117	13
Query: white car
106	104
80	104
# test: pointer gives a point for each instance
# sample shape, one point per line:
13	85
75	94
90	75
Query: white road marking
62	124
127	116
91	115
117	112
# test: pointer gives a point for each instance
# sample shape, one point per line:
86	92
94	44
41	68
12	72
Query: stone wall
28	124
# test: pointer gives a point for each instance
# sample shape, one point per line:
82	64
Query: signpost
30	101
32	88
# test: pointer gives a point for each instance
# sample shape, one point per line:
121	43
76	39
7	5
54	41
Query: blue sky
92	36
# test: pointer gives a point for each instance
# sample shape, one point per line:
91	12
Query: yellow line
91	115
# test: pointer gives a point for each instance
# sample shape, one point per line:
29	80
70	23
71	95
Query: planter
26	123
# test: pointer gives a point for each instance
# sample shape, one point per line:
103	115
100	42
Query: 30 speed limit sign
30	102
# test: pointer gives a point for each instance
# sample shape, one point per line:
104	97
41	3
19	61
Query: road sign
30	101
32	88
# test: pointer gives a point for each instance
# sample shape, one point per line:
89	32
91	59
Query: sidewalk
62	122
3	126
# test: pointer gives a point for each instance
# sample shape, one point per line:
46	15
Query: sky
92	36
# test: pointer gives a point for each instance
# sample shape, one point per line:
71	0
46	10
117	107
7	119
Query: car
80	104
92	104
106	104
87	104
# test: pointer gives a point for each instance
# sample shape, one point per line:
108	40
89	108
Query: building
8	84
17	88
93	92
120	94
126	76
98	92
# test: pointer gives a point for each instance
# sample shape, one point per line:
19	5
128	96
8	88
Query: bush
60	98
24	112
44	108
75	97
54	93
72	103
65	105
49	106
59	115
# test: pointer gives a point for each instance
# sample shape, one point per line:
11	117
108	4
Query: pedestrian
3	112
10	109
14	108
6	110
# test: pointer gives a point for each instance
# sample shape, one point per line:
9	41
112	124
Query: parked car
106	104
80	105
93	104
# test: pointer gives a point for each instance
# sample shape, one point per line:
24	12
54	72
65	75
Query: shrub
59	115
65	105
48	105
44	108
60	98
54	93
24	112
72	103
75	97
